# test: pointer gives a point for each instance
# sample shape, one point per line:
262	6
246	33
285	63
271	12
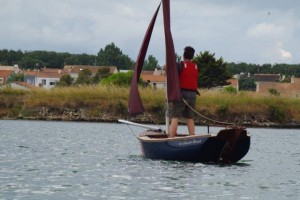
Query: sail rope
154	121
200	115
207	118
132	132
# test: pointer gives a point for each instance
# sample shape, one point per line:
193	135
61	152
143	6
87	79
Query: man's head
188	53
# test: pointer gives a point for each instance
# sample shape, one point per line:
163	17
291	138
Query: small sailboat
228	145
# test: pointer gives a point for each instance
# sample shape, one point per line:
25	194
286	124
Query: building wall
285	89
30	80
17	86
46	82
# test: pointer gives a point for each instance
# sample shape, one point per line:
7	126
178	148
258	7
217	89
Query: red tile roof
93	69
30	73
267	77
24	84
5	73
153	78
47	73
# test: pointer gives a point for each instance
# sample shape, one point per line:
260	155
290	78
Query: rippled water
73	160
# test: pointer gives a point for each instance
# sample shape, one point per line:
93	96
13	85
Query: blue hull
228	146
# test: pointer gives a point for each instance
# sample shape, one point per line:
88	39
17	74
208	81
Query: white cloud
266	30
285	55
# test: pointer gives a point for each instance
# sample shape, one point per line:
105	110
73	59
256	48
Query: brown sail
173	92
135	105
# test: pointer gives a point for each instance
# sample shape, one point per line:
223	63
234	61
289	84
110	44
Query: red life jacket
188	76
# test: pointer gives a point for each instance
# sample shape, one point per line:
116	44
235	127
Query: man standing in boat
188	81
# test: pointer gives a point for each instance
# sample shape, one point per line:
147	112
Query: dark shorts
179	109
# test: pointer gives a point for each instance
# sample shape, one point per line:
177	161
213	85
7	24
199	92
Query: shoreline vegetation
109	103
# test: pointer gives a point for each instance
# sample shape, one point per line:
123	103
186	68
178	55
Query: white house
46	78
156	78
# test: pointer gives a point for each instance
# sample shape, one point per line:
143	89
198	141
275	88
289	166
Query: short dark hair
188	52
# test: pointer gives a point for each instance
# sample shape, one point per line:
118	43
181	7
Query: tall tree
112	55
178	58
102	73
84	77
28	62
212	71
247	83
151	63
10	57
16	78
65	80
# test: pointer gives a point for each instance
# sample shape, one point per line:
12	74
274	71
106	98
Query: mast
167	108
172	89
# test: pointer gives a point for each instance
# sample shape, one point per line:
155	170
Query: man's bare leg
191	126
173	127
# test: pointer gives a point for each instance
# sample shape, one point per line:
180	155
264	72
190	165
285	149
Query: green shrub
118	79
230	90
274	92
121	108
25	112
222	111
12	91
277	113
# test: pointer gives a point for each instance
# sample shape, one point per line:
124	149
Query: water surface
76	160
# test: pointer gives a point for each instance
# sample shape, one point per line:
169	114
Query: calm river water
74	160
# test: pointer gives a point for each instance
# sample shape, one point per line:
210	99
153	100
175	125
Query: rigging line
132	133
155	122
219	122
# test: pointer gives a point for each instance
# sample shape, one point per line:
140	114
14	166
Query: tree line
278	68
213	72
112	55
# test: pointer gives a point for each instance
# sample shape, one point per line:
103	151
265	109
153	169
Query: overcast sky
256	31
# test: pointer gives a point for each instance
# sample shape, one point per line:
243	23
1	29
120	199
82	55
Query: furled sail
173	93
173	89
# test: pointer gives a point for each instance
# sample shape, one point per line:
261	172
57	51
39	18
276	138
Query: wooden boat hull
227	146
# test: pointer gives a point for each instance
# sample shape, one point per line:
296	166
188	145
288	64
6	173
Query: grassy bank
100	103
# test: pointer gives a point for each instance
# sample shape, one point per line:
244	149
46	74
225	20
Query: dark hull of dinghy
228	146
